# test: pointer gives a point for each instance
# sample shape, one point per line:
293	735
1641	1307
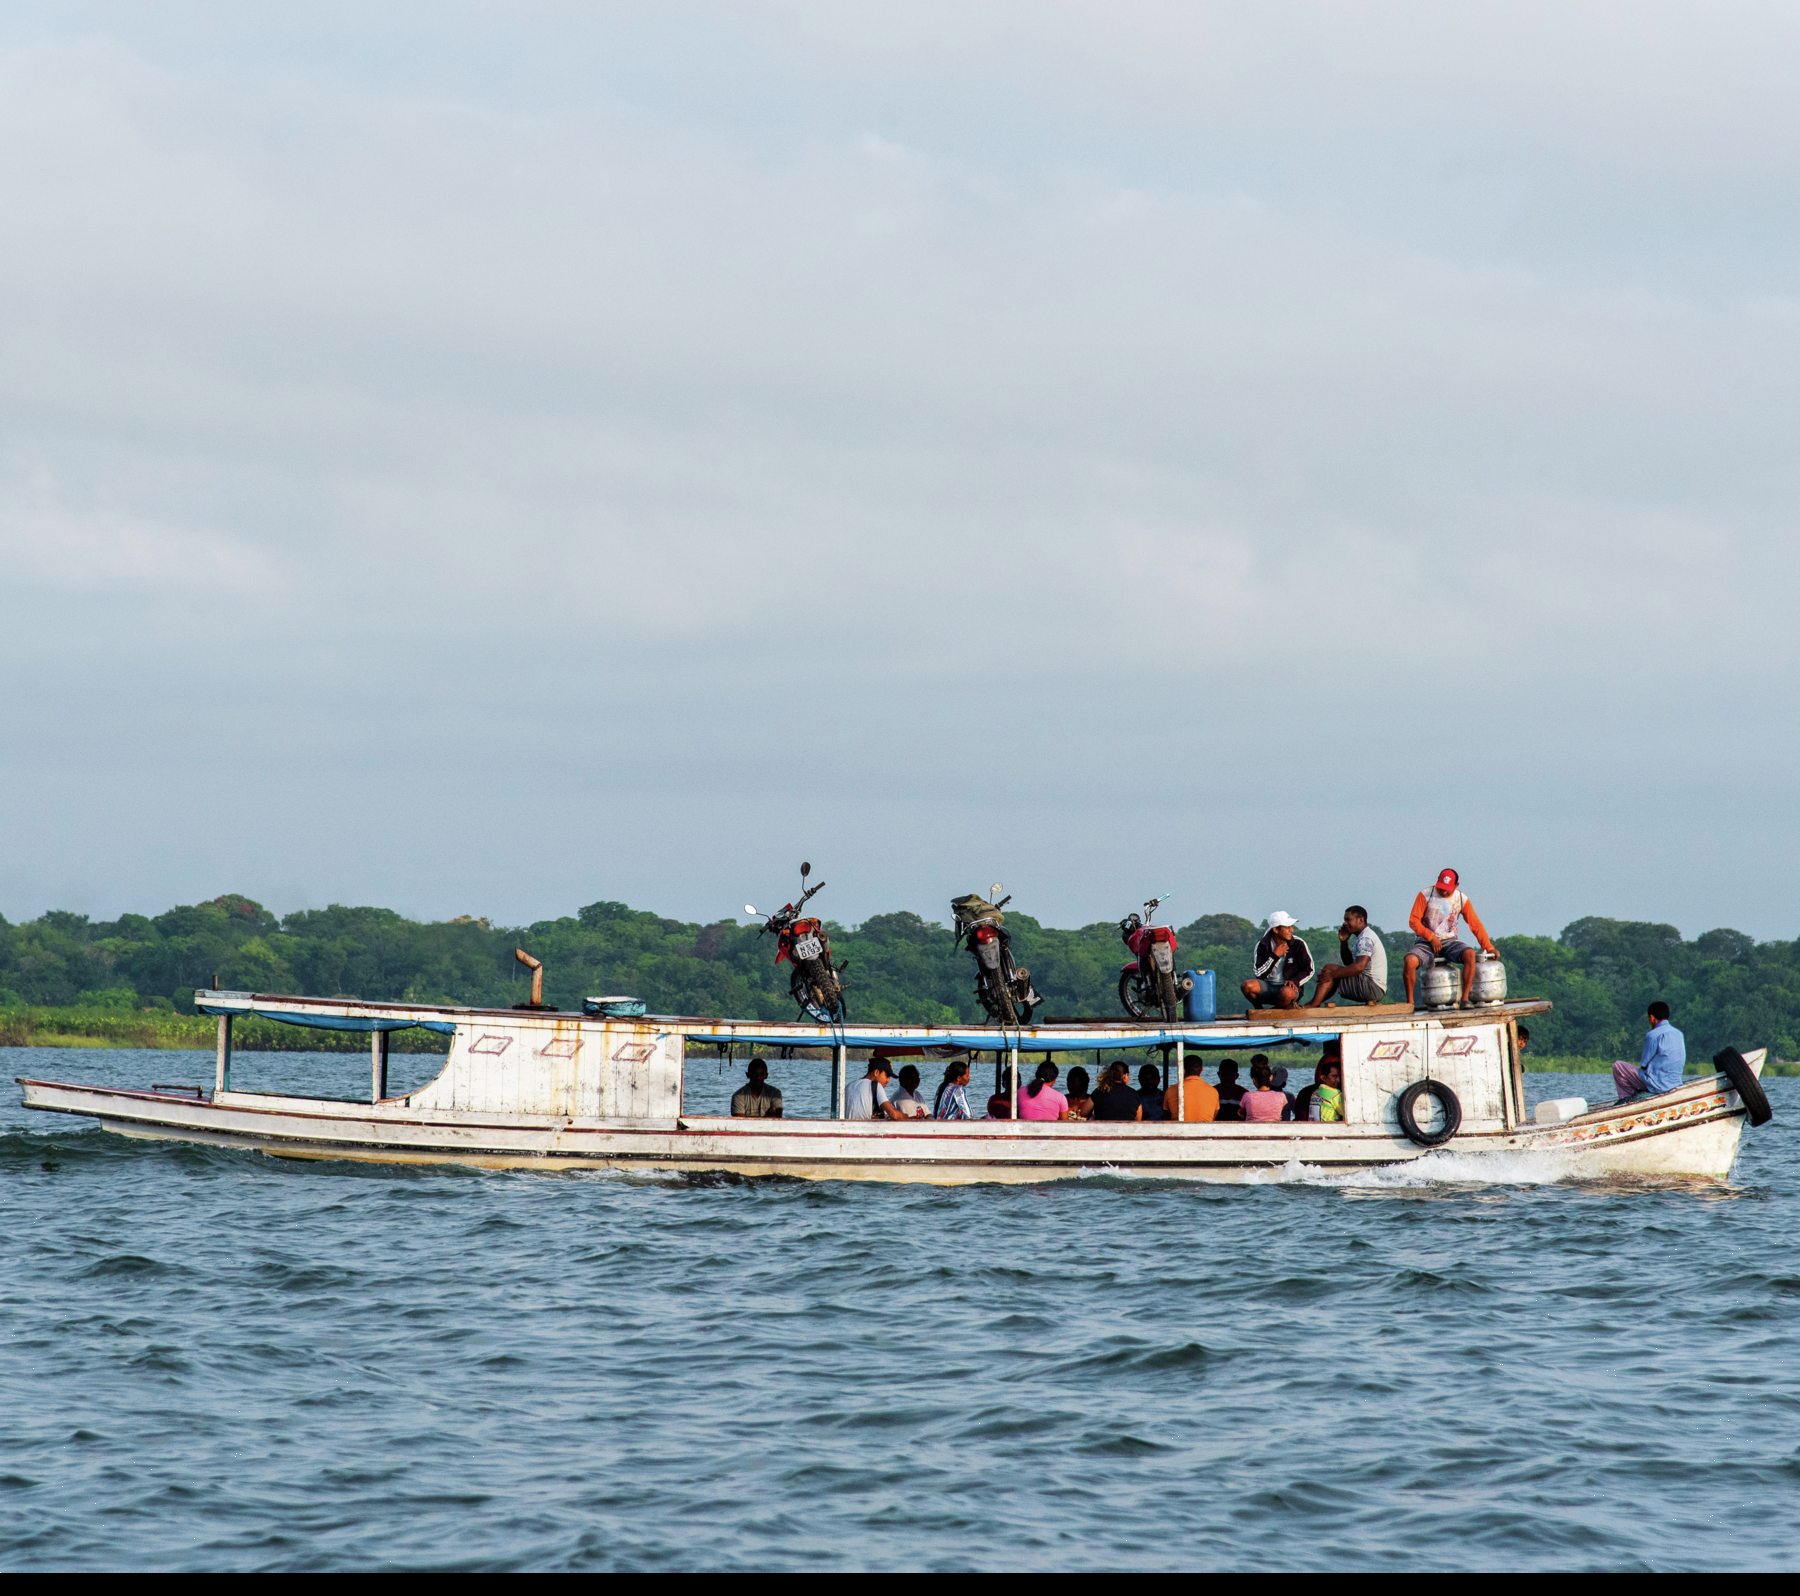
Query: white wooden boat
554	1090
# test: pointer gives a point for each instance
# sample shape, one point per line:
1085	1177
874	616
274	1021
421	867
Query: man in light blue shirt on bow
1659	1070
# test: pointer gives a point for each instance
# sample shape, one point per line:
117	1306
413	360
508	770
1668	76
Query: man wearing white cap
1284	964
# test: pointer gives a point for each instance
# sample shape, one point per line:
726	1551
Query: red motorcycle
1149	987
816	985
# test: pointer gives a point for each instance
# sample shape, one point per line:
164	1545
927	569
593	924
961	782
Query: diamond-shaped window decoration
633	1052
562	1047
1387	1050
490	1043
1458	1046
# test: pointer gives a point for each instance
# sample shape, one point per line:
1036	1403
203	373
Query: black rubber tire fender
1730	1063
1409	1121
1131	994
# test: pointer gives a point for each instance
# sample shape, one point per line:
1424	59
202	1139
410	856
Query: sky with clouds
490	458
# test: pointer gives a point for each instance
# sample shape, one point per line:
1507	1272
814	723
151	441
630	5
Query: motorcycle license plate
1164	956
806	947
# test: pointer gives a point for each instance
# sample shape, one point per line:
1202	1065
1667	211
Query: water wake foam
1430	1169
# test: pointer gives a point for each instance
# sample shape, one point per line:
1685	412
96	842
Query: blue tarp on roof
335	1022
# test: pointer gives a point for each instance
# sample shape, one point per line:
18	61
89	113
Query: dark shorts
1360	988
1450	953
1267	988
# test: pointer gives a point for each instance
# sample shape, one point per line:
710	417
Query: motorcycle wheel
1165	993
1000	1003
1133	995
810	992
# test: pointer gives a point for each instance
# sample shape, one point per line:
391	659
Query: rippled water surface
223	1360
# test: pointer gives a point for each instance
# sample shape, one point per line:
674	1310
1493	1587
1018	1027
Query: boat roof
1261	1028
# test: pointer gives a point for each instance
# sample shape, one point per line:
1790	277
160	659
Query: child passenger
1328	1096
1081	1106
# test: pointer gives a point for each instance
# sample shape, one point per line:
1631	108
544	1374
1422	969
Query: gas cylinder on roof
1489	985
1437	986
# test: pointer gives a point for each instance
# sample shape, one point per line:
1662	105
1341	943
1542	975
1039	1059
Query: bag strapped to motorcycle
973	910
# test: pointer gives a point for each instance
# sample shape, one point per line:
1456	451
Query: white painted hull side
1692	1132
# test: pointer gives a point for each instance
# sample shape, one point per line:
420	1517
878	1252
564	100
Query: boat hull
1691	1132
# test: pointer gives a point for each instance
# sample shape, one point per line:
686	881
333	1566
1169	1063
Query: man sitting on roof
1284	964
756	1099
1362	977
1434	923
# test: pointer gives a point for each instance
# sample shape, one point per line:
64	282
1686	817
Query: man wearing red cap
1433	922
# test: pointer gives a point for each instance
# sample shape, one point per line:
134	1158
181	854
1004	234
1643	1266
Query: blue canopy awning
864	1036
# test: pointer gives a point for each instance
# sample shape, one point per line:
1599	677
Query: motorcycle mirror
749	908
995	890
805	870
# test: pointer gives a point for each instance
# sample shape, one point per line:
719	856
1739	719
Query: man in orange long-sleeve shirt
1433	922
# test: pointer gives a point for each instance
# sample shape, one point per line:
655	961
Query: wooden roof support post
378	1065
1514	1088
1180	1079
222	1064
1015	1083
839	1058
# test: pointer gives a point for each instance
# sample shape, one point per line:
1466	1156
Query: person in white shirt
909	1099
1362	977
868	1098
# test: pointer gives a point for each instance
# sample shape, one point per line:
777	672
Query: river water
220	1360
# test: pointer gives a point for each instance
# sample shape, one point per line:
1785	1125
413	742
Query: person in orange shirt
1433	922
1199	1102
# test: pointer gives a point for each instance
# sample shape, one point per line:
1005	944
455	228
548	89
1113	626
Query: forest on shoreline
66	980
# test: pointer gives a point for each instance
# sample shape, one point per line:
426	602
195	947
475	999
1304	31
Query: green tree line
109	976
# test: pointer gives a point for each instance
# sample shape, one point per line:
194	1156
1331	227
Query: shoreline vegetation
68	981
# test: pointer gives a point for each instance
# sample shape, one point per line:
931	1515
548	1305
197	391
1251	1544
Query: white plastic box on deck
543	1089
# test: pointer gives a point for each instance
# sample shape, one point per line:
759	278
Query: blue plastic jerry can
1201	1002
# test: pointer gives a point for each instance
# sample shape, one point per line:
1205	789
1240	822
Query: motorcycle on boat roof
817	985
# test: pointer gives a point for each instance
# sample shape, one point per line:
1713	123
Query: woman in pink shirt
1262	1102
1041	1100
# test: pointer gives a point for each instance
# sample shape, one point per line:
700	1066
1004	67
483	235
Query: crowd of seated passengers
1267	1100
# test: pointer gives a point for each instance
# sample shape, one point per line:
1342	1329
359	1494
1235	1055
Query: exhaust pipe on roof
536	966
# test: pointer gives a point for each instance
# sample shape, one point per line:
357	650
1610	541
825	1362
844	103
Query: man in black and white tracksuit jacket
1284	964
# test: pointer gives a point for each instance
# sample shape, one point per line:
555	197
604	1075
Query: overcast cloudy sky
490	458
